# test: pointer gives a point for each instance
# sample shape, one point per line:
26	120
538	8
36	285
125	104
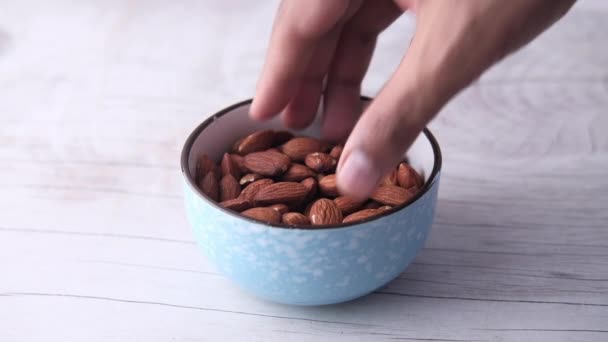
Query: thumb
436	66
380	139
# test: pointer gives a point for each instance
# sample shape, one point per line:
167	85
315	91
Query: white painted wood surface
97	97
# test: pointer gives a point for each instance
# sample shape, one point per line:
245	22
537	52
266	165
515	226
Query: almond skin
328	186
280	207
229	188
263	214
407	177
320	162
255	142
282	192
238	161
391	195
295	219
282	137
390	178
361	215
252	189
209	186
249	178
236	145
298	148
324	211
415	189
311	186
336	152
384	208
237	204
228	167
347	204
297	172
204	165
267	163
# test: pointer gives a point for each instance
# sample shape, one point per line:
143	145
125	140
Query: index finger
299	27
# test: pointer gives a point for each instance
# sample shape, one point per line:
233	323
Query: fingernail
358	175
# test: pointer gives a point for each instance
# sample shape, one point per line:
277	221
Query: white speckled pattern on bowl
305	266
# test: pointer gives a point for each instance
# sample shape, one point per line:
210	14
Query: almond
297	172
391	195
228	167
229	188
263	214
237	204
295	219
252	189
390	178
415	189
209	186
360	215
235	146
324	211
298	148
249	178
385	208
328	186
319	176
280	207
282	137
407	177
203	166
281	192
267	163
320	162
239	162
336	152
347	204
311	186
255	142
305	191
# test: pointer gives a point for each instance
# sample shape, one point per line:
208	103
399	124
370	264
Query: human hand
324	47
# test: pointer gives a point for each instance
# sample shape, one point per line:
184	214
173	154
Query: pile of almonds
275	177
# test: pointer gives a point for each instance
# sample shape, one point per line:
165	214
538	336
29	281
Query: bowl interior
218	133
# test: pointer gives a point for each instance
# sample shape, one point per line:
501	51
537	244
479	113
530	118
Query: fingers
302	108
298	29
350	62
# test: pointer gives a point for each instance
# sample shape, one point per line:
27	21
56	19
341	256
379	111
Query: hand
325	46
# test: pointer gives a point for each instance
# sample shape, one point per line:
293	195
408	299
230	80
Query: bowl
323	265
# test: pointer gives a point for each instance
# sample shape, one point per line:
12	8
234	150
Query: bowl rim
184	160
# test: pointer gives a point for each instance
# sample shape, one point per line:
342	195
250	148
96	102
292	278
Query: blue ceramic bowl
318	266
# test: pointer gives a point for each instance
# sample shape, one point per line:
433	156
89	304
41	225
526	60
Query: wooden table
97	98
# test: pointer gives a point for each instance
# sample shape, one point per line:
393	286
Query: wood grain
98	97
